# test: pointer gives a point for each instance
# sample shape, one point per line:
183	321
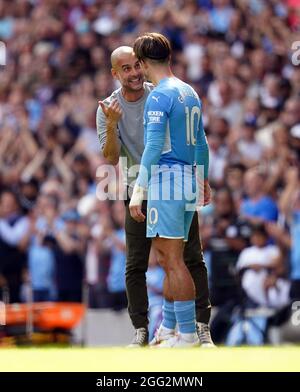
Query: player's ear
144	64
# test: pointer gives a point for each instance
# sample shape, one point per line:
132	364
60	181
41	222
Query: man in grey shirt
120	130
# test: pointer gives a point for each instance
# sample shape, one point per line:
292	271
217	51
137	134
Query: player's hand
136	213
135	205
113	111
207	193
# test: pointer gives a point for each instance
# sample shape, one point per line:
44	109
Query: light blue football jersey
174	132
174	141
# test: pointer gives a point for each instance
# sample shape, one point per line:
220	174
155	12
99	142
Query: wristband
137	196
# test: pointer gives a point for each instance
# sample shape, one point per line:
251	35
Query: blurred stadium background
60	243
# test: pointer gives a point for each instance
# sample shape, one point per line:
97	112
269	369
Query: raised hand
113	111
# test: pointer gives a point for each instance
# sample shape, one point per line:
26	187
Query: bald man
121	133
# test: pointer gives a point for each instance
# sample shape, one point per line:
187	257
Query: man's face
290	114
223	204
235	179
253	183
8	204
259	240
129	72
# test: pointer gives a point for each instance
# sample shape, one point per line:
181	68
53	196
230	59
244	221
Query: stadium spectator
234	176
14	227
290	207
41	265
224	235
262	271
258	207
69	256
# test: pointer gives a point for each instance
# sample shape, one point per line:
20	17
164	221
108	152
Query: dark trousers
137	255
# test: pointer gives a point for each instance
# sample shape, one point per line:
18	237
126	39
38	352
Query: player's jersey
173	127
174	140
177	105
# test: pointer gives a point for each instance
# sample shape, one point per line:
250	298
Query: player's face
129	72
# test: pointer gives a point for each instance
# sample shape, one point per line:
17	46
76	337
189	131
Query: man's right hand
135	205
113	111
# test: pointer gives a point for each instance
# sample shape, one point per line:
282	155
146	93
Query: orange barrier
46	315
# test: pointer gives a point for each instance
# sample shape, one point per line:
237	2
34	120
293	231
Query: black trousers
137	255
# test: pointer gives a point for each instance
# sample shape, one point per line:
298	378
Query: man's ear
114	74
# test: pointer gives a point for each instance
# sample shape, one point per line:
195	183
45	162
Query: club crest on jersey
180	99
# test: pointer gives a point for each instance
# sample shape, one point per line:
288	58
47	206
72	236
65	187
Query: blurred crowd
56	236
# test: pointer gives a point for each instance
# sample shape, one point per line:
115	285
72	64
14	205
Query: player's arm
156	118
202	159
107	122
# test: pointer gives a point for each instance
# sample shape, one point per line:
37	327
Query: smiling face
127	69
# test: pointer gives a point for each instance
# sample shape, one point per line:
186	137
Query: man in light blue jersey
174	141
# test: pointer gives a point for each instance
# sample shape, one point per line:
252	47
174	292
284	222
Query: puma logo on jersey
155	98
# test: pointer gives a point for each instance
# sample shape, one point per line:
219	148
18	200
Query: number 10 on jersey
191	123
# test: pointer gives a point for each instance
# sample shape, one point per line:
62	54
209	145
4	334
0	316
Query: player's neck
161	73
132	96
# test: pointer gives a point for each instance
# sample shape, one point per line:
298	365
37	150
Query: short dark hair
236	166
153	46
259	229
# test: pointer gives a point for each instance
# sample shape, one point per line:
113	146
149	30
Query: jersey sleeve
202	152
156	118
